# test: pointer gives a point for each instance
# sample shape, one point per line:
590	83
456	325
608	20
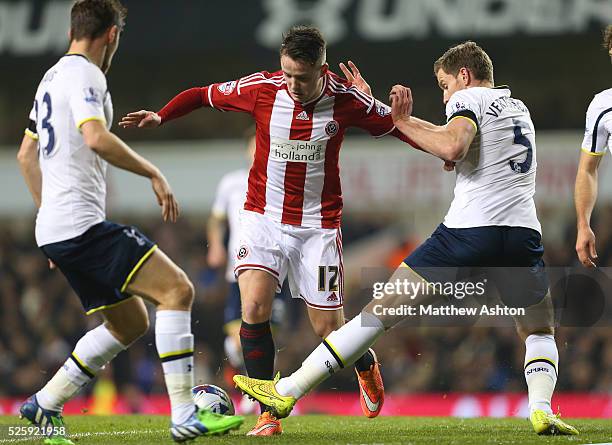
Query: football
212	398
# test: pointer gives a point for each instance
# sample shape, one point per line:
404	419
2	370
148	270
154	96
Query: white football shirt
71	93
598	128
496	178
229	200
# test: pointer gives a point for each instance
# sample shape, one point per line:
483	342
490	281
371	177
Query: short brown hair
466	55
91	18
607	37
305	44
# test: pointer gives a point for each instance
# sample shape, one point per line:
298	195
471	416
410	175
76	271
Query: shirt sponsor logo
227	87
297	151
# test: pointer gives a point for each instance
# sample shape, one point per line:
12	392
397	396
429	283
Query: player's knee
182	293
256	311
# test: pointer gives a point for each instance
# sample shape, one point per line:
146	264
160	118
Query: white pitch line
96	434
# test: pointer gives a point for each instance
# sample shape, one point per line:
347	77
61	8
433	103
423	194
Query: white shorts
310	257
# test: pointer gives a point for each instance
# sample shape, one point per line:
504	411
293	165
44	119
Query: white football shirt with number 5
496	178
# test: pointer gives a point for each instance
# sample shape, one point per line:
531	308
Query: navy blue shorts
510	256
100	263
233	307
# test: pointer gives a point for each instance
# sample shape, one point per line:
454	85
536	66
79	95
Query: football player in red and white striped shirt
290	225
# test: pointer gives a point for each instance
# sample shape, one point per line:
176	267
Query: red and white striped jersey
295	177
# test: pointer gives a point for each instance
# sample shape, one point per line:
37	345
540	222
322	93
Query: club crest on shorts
243	252
332	128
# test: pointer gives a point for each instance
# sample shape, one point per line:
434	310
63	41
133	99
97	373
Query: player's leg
91	353
261	268
541	355
367	369
162	282
316	270
341	348
127	322
541	367
234	361
324	322
105	266
345	345
257	290
528	287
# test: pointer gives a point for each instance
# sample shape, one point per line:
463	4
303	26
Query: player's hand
52	265
401	102
585	247
354	77
140	119
216	256
165	198
449	166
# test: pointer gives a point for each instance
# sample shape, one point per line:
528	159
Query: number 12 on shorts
328	278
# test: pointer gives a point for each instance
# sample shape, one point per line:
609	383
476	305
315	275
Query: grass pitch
319	429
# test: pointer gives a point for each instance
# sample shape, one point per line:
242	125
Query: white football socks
541	367
174	343
341	348
92	352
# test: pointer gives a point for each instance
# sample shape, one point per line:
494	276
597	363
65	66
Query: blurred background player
597	141
63	158
290	225
229	200
489	139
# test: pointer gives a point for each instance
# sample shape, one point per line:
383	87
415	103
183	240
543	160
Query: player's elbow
455	151
94	139
25	155
22	157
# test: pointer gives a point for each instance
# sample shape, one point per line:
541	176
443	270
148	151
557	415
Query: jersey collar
78	55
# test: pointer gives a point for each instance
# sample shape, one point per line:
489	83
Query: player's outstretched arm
116	152
449	142
180	105
27	157
585	195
